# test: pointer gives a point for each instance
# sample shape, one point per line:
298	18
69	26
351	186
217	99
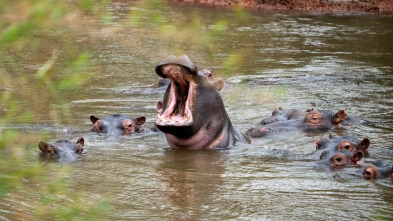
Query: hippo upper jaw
177	110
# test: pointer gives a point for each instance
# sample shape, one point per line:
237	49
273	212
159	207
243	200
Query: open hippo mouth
177	109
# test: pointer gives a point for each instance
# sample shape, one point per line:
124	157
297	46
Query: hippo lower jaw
178	112
174	121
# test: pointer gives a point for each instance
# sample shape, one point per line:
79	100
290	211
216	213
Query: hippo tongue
178	109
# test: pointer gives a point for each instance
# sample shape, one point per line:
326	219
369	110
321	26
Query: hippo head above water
117	124
346	143
341	158
61	150
192	113
309	121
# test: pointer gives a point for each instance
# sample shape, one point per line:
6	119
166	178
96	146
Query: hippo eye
368	173
130	125
209	75
338	159
347	147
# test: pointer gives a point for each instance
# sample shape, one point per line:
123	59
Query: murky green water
268	60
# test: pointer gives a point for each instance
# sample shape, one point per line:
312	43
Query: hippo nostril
368	173
347	147
130	125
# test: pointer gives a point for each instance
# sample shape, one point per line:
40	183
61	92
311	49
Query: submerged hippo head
346	143
345	158
192	113
324	120
117	124
61	150
309	121
379	169
351	146
340	158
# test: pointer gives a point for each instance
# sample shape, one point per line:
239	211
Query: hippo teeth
179	101
174	120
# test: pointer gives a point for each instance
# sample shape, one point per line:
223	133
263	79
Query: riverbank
310	6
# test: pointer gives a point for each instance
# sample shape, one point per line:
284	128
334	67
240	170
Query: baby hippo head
117	124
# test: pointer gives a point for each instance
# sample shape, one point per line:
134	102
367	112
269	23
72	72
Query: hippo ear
391	172
81	141
79	145
324	154
309	110
339	117
94	119
357	156
219	84
43	146
318	143
364	144
140	120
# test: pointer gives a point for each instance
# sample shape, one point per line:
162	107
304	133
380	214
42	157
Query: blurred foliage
193	32
40	68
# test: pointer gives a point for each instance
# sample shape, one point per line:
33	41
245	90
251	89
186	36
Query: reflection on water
268	60
193	182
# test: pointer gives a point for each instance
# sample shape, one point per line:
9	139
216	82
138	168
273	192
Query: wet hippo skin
192	114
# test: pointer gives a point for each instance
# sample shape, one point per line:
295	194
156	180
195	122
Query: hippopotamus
305	121
117	124
345	143
192	114
61	150
341	158
379	169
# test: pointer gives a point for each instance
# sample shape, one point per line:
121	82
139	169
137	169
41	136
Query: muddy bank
309	6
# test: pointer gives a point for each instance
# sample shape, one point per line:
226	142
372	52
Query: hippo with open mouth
192	114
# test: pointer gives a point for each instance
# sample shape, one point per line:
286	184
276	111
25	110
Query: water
268	60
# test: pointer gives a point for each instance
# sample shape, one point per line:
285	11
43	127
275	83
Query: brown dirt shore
308	6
